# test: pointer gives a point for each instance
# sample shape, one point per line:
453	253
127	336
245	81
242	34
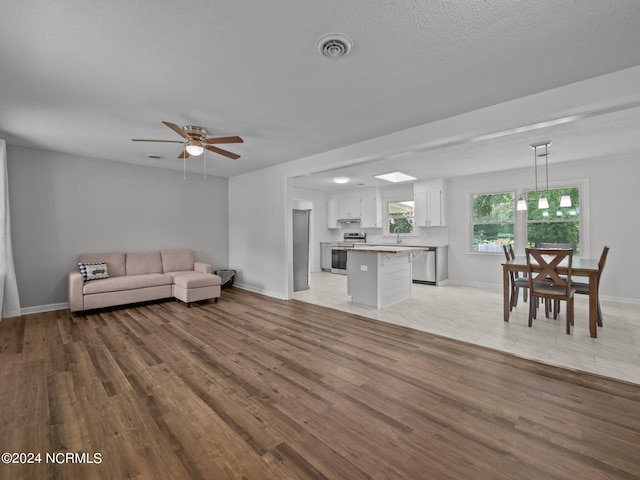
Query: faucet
398	239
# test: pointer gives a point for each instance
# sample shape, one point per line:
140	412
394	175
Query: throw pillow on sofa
93	271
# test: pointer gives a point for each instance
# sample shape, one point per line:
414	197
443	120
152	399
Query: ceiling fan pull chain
205	163
184	168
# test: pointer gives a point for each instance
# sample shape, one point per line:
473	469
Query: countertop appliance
339	254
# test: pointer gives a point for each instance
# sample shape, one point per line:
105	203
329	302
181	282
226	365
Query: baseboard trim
44	308
259	290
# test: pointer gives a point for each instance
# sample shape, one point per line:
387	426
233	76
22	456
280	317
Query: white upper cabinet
429	204
362	205
371	212
332	214
349	207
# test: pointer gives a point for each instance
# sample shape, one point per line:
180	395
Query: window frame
472	223
520	232
386	217
554	220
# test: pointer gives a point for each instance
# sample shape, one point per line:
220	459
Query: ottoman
193	287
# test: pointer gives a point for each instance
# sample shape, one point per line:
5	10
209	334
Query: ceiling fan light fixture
194	148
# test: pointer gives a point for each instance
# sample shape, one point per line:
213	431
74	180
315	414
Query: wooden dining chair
583	287
521	282
516	282
556	304
546	283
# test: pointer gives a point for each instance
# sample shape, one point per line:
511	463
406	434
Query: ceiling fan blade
224	140
177	129
211	148
165	141
184	154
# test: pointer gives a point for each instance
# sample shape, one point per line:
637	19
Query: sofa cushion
93	271
141	263
179	272
128	282
114	261
177	260
197	280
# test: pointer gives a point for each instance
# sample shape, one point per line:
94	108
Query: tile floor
474	315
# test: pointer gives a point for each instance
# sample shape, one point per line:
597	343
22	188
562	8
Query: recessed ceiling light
395	177
341	179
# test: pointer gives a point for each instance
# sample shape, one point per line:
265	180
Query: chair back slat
603	259
542	264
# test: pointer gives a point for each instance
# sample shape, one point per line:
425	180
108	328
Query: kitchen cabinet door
428	208
349	207
371	213
435	208
332	214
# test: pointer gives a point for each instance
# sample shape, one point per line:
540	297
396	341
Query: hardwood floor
257	388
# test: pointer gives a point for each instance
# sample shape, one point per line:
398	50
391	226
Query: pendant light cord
546	162
535	163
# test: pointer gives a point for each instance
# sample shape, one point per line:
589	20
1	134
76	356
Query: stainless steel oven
339	254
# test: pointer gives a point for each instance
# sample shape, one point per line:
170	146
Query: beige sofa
140	277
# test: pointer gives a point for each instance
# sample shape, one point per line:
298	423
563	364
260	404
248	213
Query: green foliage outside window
493	221
556	224
401	217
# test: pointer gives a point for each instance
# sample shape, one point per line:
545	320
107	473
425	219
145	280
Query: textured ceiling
84	77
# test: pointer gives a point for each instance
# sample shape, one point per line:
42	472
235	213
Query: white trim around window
521	219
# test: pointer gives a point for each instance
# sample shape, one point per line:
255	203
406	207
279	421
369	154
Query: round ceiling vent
334	45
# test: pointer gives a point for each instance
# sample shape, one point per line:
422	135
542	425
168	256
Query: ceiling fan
195	141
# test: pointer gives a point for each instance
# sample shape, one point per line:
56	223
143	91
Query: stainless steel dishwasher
424	267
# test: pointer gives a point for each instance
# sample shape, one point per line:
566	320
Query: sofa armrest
202	267
76	297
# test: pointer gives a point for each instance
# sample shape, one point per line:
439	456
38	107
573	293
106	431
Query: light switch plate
363	268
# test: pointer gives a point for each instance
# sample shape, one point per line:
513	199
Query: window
555	224
492	221
400	217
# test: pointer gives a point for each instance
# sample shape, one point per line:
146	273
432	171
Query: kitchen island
380	276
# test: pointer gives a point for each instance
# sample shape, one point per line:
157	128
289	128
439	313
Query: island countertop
385	249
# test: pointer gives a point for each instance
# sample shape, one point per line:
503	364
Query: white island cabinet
380	276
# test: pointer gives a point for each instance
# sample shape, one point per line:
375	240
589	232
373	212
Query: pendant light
543	203
522	203
565	199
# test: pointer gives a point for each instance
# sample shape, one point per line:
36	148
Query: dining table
580	267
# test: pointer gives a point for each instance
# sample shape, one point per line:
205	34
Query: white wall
62	206
612	195
259	248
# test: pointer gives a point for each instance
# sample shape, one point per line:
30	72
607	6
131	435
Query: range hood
348	220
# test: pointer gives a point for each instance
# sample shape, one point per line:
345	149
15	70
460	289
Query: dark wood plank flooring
257	388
